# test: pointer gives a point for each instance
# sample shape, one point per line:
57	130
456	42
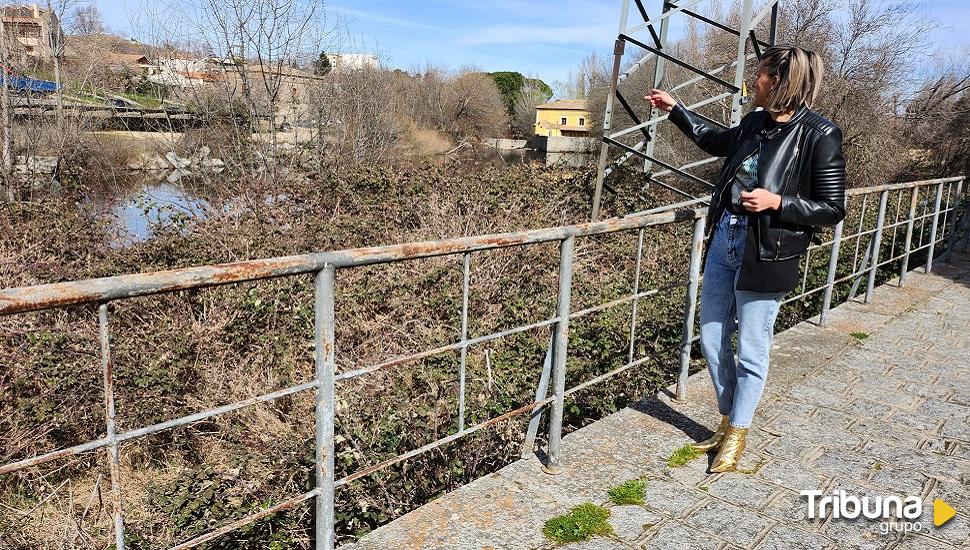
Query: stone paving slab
885	415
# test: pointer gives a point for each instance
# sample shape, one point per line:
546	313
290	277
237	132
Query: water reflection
161	205
142	205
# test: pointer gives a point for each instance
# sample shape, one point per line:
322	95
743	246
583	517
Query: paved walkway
888	414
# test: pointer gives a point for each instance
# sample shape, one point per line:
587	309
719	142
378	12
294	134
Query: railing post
914	199
324	405
559	350
933	227
876	243
636	291
966	230
109	413
830	278
466	275
693	278
954	226
966	227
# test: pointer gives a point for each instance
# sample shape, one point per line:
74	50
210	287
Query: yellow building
566	117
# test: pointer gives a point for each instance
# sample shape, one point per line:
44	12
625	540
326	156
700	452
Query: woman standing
783	176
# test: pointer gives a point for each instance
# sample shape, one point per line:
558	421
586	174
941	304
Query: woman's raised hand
660	99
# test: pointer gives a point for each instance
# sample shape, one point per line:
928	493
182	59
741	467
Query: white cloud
589	34
376	17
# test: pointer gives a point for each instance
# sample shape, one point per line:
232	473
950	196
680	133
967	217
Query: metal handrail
105	290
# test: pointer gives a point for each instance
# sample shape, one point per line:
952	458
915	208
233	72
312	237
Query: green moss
859	335
581	523
682	456
628	492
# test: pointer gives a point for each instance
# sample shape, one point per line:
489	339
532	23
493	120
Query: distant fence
938	207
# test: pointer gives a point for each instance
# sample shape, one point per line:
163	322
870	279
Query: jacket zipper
777	241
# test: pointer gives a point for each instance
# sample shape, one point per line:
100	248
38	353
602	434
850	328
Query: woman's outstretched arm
710	139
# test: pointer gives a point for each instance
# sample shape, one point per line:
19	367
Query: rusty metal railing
951	215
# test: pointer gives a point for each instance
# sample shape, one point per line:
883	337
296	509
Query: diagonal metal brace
688	66
669	187
645	156
633	115
755	44
714	23
646	19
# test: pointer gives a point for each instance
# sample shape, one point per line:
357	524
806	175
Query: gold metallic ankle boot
713	442
731	448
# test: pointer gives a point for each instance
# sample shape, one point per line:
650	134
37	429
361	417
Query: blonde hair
799	73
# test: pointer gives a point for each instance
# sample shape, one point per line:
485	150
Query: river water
144	203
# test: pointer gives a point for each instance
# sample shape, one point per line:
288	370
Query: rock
213	165
35	165
176	161
148	161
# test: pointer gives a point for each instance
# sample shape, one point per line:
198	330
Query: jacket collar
784	126
800	113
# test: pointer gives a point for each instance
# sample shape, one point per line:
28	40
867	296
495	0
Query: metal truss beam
657	49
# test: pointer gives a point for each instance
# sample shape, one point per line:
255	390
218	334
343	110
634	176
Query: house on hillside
566	117
29	30
134	62
352	61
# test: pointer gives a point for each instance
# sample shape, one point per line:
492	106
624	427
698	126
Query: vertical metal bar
876	242
636	290
658	74
618	48
914	199
744	29
466	270
693	278
944	210
530	435
899	206
954	216
773	33
559	350
109	413
858	233
862	270
830	278
966	230
325	359
933	226
808	262
922	222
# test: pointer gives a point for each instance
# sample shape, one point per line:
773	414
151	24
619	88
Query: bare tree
524	112
937	118
86	20
475	106
55	44
6	151
274	34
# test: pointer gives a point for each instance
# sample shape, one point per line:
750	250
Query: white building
352	61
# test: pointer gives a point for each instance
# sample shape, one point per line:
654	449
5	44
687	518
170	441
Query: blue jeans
726	311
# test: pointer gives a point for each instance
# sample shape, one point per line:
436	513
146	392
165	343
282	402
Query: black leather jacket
801	160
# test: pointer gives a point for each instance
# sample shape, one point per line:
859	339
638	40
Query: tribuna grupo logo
895	513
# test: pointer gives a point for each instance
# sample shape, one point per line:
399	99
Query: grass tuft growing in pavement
628	492
860	335
682	456
581	523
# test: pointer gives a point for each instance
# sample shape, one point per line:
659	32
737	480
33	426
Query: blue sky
544	38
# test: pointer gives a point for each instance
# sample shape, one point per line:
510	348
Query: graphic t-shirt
745	180
746	176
